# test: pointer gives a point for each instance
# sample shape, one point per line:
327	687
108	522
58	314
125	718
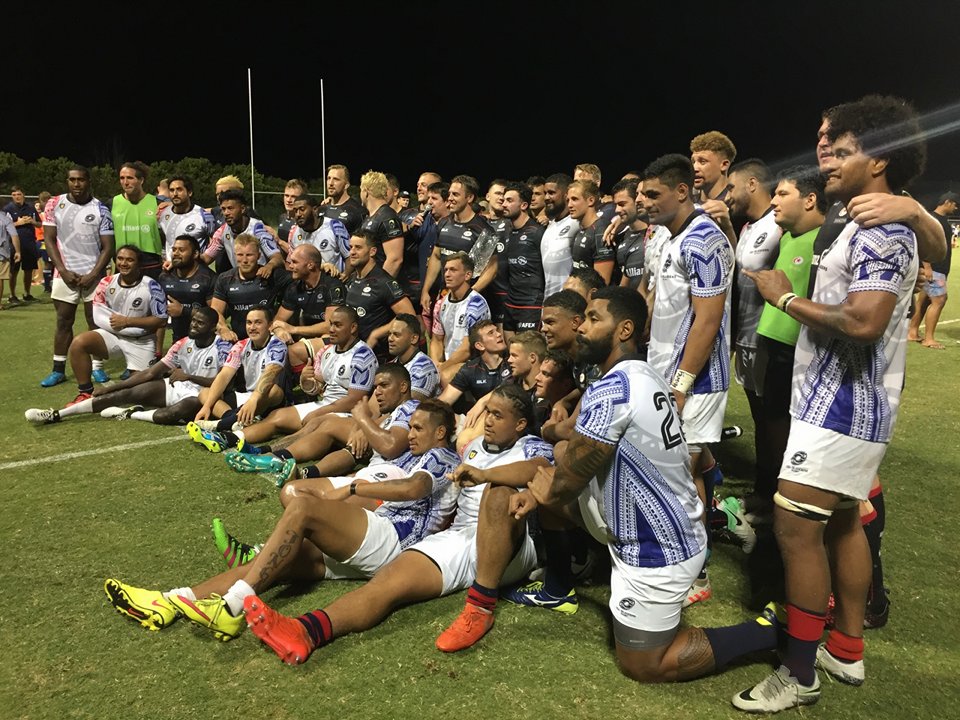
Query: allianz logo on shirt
136	228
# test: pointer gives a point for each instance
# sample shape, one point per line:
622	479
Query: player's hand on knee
522	504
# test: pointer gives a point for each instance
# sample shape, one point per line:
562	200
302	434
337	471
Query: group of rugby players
576	377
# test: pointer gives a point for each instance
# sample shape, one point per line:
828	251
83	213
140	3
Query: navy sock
483	597
734	641
284	454
318	627
60	366
227	421
86	388
558	577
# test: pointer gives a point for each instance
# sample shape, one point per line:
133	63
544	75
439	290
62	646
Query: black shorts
29	257
522	318
497	308
778	378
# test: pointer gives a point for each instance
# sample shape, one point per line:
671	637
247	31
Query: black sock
226	422
284	454
311	472
86	388
60	366
735	641
558	577
877	597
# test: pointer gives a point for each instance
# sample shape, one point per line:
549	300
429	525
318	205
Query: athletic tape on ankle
803	510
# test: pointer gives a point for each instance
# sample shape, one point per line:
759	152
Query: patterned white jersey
757	249
253	361
698	262
452	319
224	237
424	377
400	418
195	360
415	519
851	387
332	240
144	299
650	502
652	249
197	222
8	231
477	455
340	372
79	228
556	251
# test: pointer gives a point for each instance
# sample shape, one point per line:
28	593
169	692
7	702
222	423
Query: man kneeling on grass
321	537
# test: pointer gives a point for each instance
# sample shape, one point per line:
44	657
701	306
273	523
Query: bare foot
913	338
932	345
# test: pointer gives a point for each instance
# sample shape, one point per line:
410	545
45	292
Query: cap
405	193
950	196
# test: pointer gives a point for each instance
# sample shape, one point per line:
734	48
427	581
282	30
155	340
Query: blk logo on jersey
759	241
798	458
627	603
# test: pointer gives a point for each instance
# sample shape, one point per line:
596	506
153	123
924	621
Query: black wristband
353	488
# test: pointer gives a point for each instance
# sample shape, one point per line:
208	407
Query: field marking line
87	453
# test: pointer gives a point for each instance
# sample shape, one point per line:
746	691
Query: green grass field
142	514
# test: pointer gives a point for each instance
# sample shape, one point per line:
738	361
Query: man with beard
328	236
187	283
134	214
557	240
291	191
236	222
630	232
183	217
338	204
519	266
419	226
403	345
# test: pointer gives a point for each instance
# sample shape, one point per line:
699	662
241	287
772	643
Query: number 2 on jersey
671	438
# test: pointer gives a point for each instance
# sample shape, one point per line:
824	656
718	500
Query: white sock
97	364
235	595
186	592
81	408
59	358
145	415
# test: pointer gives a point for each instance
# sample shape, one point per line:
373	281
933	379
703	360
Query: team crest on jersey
564	230
505	372
366	289
189	350
499	247
112	290
843	212
361	312
471	455
468	234
195	286
759	241
62	205
798	260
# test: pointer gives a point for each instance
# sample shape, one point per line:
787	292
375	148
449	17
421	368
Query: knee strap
803	510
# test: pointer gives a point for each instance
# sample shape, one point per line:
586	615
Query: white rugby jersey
253	361
757	249
223	239
477	455
331	238
196	222
79	228
424	377
352	369
415	519
452	319
657	238
841	384
400	418
195	360
697	262
650	503
145	299
556	246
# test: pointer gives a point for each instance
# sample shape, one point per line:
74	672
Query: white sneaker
850	673
40	416
776	692
120	413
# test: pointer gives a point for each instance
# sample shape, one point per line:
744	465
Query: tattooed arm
584	459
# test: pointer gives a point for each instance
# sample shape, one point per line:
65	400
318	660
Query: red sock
482	597
318	627
844	647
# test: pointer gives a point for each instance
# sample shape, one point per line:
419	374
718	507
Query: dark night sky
506	92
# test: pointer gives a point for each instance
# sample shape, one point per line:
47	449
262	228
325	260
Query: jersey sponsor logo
521	260
190	228
505	372
195	286
467	233
343	214
798	458
138	302
627	603
323	244
366	289
564	230
208	362
798	260
669	262
89	218
759	241
500	247
341	370
361	312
